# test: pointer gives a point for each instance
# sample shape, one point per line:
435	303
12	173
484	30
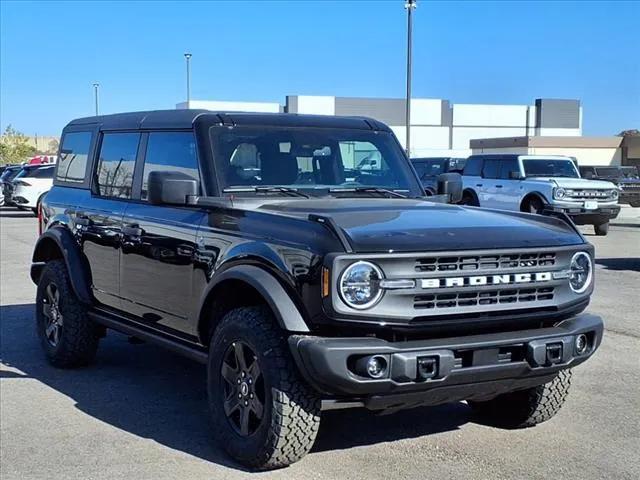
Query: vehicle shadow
152	393
620	264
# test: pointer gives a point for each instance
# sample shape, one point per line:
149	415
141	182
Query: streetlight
95	95
409	6
187	56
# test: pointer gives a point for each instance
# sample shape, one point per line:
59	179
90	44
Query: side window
74	155
473	167
491	169
508	166
170	151
114	175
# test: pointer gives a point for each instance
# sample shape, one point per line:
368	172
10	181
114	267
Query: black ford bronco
236	240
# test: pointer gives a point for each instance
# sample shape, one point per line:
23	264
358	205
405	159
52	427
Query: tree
14	146
53	146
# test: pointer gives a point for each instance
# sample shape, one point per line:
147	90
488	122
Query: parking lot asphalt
140	412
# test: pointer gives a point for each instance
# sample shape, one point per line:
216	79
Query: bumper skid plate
448	369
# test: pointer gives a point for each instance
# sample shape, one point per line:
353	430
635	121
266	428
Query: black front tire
525	408
290	409
73	340
601	229
469	199
533	205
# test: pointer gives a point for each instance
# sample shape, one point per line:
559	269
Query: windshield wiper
291	192
384	191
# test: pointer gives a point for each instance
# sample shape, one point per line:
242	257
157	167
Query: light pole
95	95
187	56
409	6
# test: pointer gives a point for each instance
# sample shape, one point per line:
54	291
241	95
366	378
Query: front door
158	241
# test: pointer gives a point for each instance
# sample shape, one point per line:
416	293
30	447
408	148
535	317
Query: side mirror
515	175
170	188
450	184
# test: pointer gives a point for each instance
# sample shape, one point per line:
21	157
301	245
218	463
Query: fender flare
77	265
287	314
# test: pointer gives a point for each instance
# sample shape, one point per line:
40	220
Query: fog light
581	344
375	366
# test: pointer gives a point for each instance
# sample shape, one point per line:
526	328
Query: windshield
550	168
316	161
617	172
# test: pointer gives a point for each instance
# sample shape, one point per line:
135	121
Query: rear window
116	164
74	155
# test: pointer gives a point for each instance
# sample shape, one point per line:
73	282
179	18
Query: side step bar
165	341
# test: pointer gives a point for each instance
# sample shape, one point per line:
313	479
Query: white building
438	127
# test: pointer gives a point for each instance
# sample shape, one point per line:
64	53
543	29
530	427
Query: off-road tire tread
526	408
80	336
296	408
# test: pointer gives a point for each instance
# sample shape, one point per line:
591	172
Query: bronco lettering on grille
480	280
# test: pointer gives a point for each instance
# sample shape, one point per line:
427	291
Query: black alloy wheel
244	391
52	314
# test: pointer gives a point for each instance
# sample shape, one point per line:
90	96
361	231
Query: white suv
31	185
533	183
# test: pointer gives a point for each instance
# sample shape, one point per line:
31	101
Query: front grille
485	262
489	297
589	194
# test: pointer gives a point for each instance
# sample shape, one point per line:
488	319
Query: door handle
132	230
498	186
478	184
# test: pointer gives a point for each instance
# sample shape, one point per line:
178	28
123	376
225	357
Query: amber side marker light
325	282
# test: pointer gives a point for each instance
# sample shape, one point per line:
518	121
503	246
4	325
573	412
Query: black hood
382	225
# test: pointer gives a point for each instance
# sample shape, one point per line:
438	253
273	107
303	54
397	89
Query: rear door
159	241
100	219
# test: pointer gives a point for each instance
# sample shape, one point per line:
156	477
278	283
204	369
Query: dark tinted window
116	164
9	174
491	169
315	159
508	166
42	172
473	166
170	151
74	155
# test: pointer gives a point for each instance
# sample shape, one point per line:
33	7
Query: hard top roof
183	118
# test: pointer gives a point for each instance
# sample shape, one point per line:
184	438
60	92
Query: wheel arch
474	195
244	285
529	196
59	244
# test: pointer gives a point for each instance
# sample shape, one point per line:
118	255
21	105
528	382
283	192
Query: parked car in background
428	169
626	178
31	185
8	174
533	183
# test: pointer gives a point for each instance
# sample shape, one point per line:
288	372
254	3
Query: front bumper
582	216
471	367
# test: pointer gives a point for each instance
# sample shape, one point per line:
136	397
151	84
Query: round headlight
581	272
559	192
360	285
615	193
